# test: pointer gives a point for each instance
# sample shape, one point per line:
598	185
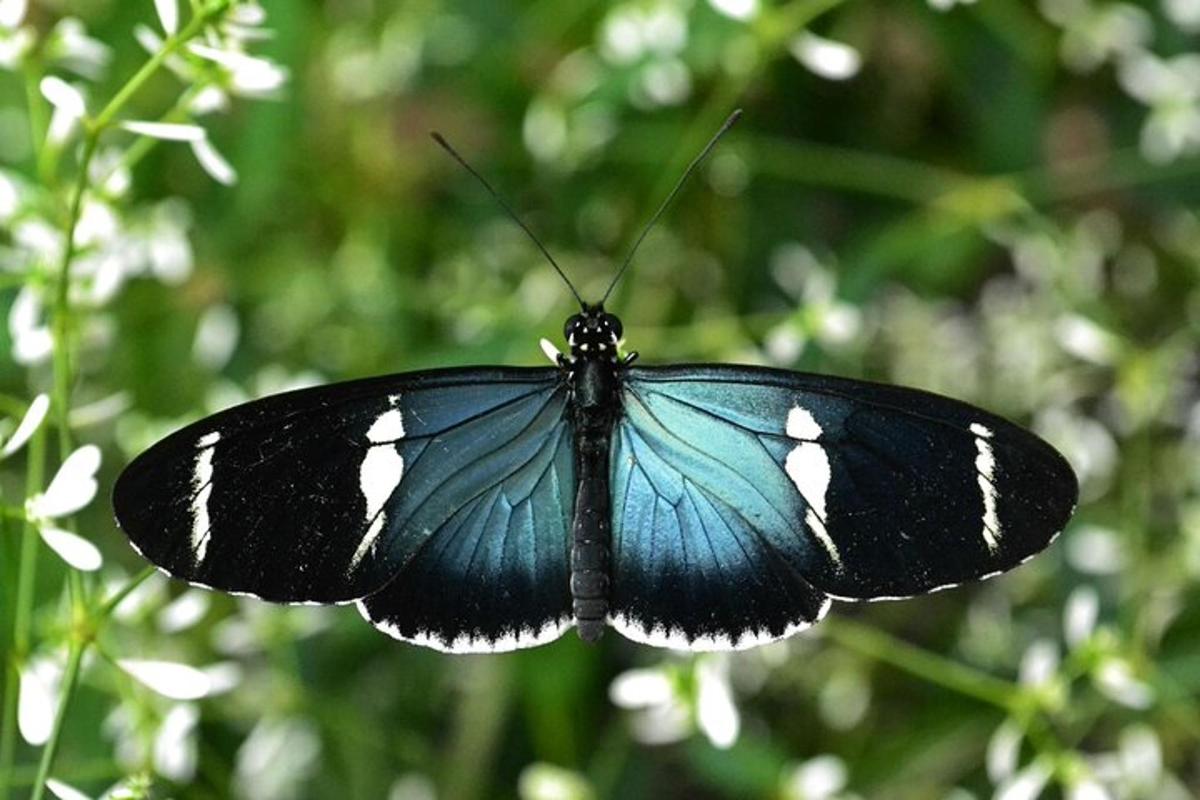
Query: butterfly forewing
323	494
866	490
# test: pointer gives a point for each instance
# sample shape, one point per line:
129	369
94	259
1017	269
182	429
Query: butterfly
697	506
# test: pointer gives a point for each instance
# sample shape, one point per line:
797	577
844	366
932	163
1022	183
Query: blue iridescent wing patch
444	498
743	496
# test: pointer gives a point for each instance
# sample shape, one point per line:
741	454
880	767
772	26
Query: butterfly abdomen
595	404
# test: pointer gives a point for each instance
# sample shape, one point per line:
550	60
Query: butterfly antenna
437	137
697	161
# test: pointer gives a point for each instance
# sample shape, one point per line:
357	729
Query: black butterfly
703	507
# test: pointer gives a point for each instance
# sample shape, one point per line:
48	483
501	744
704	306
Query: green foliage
996	200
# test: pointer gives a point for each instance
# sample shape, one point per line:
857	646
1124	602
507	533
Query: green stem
925	665
110	605
70	682
23	614
62	359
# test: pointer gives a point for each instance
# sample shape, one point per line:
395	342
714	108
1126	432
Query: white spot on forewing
202	485
388	426
802	425
808	467
985	466
382	468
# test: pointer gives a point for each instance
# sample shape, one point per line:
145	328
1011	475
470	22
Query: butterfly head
593	333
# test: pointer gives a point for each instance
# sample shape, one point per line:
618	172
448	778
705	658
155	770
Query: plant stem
70	682
26	575
926	665
110	605
63	368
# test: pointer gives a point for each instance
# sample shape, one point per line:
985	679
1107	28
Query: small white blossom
1026	784
72	488
824	57
175	747
716	713
12	13
547	782
168	678
214	163
1095	550
69	108
641	688
1115	679
946	5
736	9
70	46
1004	751
168	15
1093	33
166	131
71	548
1184	13
65	791
184	611
37	699
1039	663
1088	789
276	759
32	420
819	778
1141	758
1079	615
1171	88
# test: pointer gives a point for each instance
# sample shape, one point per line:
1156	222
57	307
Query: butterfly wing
734	486
444	495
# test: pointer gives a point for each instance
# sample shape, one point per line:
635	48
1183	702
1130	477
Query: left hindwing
866	490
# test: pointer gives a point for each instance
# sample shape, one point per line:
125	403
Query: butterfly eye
614	325
571	326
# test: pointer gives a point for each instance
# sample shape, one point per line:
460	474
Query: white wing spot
202	478
985	466
379	474
550	350
808	467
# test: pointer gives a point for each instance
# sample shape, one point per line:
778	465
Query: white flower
213	162
249	76
818	778
1171	88
64	791
1079	615
72	548
1093	34
1095	550
175	748
1184	13
946	5
716	713
168	678
12	12
1141	757
276	759
736	9
184	611
28	425
70	46
168	15
1115	679
1039	663
69	108
541	781
72	488
1026	784
1004	750
824	57
37	699
1088	789
166	131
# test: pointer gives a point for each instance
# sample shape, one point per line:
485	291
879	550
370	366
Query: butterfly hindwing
864	490
335	493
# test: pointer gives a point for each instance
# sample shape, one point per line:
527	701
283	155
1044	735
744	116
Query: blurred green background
996	200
